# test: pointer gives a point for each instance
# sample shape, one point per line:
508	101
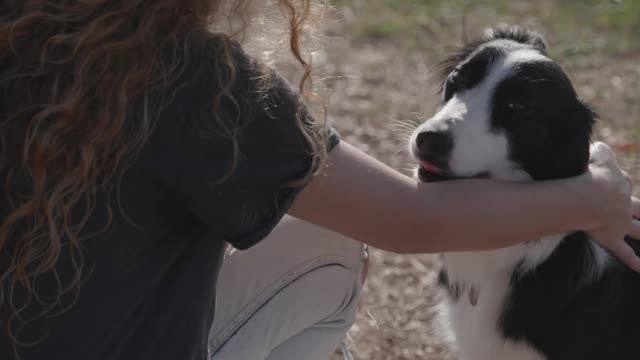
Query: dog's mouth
430	172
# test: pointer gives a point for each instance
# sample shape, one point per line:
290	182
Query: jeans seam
226	331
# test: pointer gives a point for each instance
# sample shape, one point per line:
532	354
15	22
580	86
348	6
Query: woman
136	144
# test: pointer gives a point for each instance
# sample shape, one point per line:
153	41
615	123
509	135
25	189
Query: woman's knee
301	240
335	289
321	302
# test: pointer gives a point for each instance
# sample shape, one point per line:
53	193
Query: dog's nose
434	144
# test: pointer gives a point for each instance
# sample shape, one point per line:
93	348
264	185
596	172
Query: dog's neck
476	267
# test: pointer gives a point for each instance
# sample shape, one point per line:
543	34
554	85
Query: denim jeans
292	296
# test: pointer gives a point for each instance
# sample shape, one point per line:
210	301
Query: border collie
509	112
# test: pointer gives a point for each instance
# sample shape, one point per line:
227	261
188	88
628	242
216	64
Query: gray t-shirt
150	278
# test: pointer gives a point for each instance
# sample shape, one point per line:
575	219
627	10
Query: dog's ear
574	141
568	144
585	117
517	34
506	32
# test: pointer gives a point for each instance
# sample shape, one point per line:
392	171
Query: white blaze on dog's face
467	117
507	108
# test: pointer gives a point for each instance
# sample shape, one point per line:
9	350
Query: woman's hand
614	205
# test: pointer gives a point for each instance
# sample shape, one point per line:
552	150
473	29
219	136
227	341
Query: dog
509	112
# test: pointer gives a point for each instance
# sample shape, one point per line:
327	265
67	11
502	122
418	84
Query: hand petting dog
621	220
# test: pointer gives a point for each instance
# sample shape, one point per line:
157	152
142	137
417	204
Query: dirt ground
375	65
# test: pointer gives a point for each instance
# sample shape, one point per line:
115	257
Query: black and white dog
509	112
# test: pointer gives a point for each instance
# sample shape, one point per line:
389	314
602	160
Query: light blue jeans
292	296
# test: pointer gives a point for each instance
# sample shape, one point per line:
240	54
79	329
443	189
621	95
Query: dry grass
376	66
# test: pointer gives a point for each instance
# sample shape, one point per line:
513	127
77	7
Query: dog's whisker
405	122
401	138
402	142
403	132
406	126
403	128
408	169
401	151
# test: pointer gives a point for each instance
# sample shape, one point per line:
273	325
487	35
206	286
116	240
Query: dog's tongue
430	167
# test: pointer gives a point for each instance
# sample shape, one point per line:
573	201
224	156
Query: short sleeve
245	206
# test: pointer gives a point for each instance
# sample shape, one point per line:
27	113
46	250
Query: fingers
635	208
626	254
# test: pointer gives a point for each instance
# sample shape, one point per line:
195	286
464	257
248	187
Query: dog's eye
517	107
456	77
454	83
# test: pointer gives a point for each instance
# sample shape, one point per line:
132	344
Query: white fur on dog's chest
476	328
483	280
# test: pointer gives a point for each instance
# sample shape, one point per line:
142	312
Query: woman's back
148	278
145	240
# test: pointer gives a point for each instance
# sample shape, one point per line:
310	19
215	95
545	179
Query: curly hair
70	73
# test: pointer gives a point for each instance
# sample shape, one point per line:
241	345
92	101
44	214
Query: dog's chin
429	177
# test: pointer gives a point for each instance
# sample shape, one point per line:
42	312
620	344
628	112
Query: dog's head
509	112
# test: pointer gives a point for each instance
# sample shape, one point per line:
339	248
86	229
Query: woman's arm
364	199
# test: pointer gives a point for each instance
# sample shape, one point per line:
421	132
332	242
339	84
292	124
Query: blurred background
375	66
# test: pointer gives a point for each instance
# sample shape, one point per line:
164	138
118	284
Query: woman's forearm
482	214
364	199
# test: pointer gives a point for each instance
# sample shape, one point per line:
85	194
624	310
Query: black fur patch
554	310
550	131
470	72
513	33
454	289
474	294
519	35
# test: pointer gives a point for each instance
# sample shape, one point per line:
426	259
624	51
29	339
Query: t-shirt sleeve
244	205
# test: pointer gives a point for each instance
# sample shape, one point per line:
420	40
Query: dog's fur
512	114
